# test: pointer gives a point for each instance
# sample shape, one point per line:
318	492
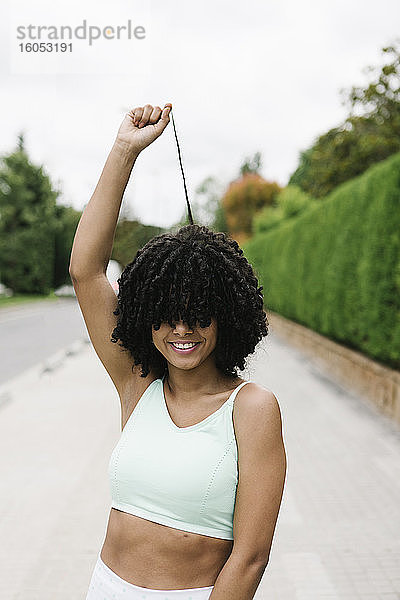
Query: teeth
183	346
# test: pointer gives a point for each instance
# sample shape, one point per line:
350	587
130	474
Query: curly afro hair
193	275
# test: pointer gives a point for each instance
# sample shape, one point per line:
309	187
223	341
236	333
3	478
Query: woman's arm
238	579
94	236
262	473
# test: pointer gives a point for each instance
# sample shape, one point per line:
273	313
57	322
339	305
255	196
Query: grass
18	299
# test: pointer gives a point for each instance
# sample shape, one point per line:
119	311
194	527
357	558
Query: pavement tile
337	535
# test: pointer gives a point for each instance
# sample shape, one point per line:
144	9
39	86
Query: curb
33	374
353	371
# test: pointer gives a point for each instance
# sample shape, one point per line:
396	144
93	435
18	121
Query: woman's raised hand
142	125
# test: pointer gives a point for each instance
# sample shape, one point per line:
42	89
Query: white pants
107	585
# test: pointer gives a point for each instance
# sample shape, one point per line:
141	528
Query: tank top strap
233	395
230	401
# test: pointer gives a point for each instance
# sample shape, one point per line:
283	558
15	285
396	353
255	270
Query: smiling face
170	341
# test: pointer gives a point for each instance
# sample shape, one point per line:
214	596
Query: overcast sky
242	77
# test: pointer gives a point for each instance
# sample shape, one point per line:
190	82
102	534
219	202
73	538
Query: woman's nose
182	327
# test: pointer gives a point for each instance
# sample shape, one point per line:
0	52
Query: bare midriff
156	556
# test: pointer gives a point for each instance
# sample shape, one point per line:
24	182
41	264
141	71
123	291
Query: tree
206	206
379	101
67	219
27	224
130	236
369	134
251	164
211	204
244	198
208	194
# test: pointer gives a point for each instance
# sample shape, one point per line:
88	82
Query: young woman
198	473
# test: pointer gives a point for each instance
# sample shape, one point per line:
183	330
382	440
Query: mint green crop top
183	477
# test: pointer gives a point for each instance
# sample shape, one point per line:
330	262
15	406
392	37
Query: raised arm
94	238
95	233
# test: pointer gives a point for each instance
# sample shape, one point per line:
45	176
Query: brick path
337	534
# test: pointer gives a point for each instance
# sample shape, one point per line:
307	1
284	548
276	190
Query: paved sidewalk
337	534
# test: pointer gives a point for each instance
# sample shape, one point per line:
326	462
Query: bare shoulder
262	464
256	410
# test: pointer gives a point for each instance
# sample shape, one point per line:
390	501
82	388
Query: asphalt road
33	332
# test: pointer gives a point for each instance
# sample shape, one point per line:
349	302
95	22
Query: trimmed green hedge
336	267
